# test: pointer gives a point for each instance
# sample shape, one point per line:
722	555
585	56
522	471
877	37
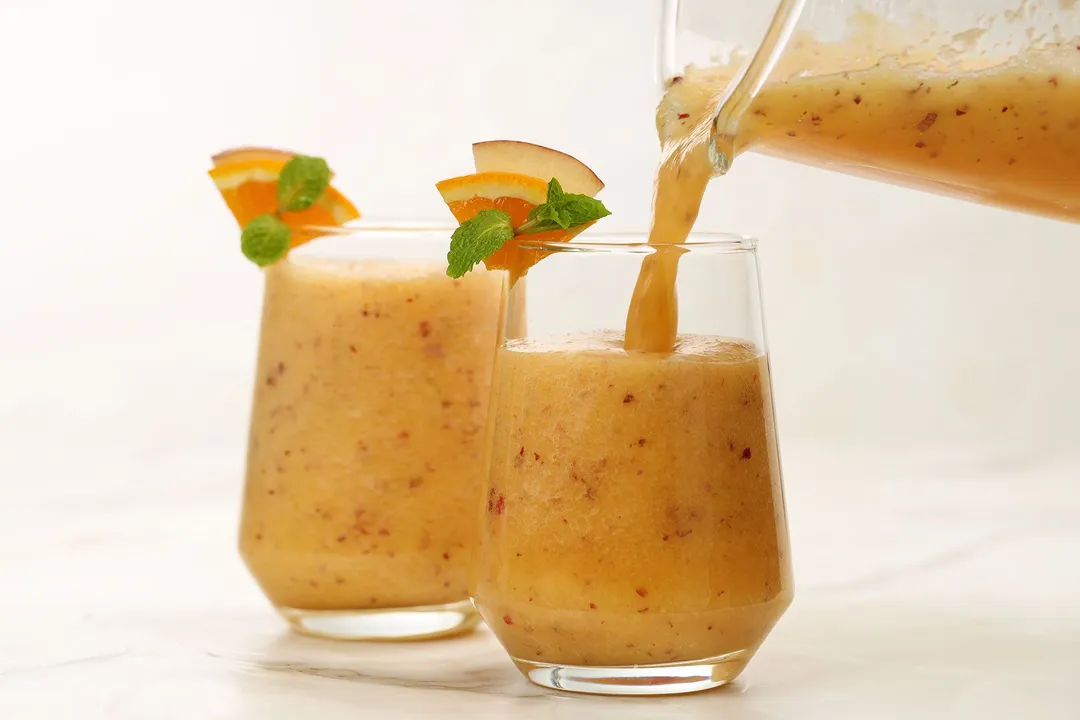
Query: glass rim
614	241
637	243
380	226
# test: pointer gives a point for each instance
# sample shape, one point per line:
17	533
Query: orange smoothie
633	512
1005	135
367	432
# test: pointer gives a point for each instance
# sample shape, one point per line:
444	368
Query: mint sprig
562	211
301	182
481	236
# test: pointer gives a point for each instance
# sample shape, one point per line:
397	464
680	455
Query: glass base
662	679
411	623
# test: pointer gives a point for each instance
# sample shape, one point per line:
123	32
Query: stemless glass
633	535
367	433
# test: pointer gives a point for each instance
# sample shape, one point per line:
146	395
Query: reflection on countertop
922	590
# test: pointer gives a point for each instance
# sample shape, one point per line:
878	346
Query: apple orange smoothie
1007	134
367	432
634	514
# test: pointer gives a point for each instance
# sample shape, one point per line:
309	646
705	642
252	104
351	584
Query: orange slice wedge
512	193
247	180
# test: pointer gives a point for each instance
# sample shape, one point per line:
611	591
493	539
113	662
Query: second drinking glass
634	537
367	433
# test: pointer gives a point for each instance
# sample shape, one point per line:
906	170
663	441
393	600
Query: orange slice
247	180
512	193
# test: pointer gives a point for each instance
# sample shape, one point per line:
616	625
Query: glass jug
978	99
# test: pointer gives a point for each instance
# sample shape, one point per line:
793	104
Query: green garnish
562	211
265	240
302	181
481	236
477	238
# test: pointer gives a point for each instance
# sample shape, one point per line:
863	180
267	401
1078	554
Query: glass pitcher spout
975	100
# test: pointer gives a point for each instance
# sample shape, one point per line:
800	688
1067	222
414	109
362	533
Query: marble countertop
923	589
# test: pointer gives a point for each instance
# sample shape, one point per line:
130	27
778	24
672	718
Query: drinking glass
367	433
633	537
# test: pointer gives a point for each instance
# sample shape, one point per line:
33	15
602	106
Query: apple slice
243	154
255	155
512	156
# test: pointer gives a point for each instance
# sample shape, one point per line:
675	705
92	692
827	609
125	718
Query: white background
128	317
901	325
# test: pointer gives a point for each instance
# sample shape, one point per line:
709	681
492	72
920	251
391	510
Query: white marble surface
924	589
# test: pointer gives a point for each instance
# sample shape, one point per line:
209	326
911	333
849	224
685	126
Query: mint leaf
301	182
562	211
476	239
265	240
546	217
582	209
555	191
